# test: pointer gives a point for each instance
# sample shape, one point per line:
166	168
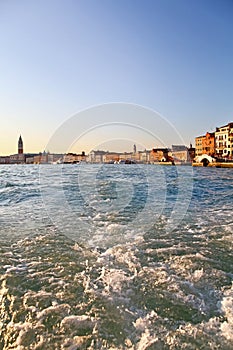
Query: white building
144	156
96	156
224	141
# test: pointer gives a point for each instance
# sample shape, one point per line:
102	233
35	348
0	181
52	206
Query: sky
59	58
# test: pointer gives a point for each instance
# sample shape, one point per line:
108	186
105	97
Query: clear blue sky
61	56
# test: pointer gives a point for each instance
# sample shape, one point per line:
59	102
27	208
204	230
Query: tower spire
20	145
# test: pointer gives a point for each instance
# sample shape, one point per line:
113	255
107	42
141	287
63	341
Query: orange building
205	144
158	154
208	144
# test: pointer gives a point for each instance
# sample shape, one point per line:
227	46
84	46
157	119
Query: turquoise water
116	257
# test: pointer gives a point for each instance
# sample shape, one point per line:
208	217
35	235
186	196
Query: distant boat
59	161
126	161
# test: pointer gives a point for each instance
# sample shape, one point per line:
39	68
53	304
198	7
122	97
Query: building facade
4	159
158	155
199	140
208	144
224	141
72	158
180	153
205	144
144	156
111	157
96	156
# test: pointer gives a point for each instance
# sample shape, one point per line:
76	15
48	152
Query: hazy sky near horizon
59	57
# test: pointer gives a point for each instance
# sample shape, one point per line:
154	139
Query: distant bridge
205	159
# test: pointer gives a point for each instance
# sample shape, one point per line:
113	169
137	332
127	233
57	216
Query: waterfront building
158	155
180	153
37	158
56	158
72	158
96	156
208	144
111	157
192	152
29	159
125	156
205	144
47	158
144	156
41	158
4	159
199	140
135	157
224	141
115	157
44	158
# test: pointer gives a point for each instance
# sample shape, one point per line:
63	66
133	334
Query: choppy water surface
116	257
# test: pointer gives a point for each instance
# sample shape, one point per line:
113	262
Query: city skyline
20	148
178	153
121	145
59	58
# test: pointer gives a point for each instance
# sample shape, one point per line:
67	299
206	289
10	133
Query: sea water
116	257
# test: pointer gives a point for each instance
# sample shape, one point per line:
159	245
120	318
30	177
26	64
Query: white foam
124	255
113	227
227	308
77	342
22	331
113	280
77	321
144	327
146	340
198	274
61	309
19	268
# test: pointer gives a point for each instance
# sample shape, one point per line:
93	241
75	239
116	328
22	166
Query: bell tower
20	145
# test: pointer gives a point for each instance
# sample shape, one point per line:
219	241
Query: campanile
20	145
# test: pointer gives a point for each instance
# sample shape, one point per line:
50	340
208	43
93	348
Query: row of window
225	153
221	137
224	145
